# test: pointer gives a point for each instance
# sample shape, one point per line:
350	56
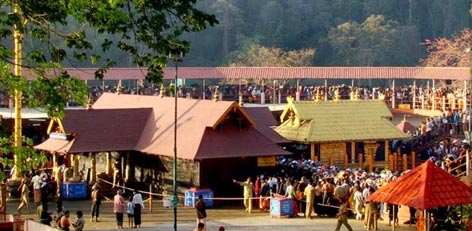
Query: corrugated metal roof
424	187
439	73
338	121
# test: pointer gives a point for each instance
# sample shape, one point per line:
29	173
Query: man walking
201	210
248	189
342	216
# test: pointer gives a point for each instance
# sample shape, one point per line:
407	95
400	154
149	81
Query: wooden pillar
353	152
346	161
405	162
127	167
359	164
93	169
387	151
331	160
54	160
109	169
370	162
312	151
390	162
395	161
413	159
75	165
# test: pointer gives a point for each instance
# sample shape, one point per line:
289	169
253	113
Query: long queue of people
278	92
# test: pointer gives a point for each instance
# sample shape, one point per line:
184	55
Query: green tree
258	56
367	44
147	30
56	31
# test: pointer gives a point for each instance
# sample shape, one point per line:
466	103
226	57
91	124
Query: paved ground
232	219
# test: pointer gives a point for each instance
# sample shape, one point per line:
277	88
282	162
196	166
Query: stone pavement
231	218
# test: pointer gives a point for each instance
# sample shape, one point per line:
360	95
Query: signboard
266	161
58	136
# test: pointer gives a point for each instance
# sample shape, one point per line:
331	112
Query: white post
467	161
414	94
394	96
434	97
297	94
262	93
326	90
204	96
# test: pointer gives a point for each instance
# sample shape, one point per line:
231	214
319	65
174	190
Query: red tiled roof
100	130
194	117
406	126
439	73
265	122
230	141
424	187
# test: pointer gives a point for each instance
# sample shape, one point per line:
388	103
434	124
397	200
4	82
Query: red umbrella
424	187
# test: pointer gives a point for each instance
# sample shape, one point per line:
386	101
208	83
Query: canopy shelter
406	126
424	187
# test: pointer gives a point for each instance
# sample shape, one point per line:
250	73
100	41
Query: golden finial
404	119
381	96
290	99
88	106
356	95
161	92
317	96
337	97
216	95
118	88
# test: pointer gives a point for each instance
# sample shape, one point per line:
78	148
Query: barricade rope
166	195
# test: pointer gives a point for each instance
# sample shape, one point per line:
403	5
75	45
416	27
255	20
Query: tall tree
258	56
366	44
449	52
148	31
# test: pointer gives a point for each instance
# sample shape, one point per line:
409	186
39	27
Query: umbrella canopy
424	187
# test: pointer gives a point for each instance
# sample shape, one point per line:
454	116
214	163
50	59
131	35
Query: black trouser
137	214
95	208
119	219
44	197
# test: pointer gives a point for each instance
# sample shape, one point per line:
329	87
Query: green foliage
364	44
259	56
26	157
64	31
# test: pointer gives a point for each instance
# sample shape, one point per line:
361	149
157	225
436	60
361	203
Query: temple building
340	131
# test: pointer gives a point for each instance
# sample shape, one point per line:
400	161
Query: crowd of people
443	96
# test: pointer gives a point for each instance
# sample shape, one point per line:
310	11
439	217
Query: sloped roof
439	73
424	187
55	145
228	141
406	126
194	118
338	121
100	130
265	123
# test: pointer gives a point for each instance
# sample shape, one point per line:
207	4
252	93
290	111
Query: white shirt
36	182
137	199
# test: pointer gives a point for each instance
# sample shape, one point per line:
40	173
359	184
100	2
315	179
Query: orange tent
424	187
